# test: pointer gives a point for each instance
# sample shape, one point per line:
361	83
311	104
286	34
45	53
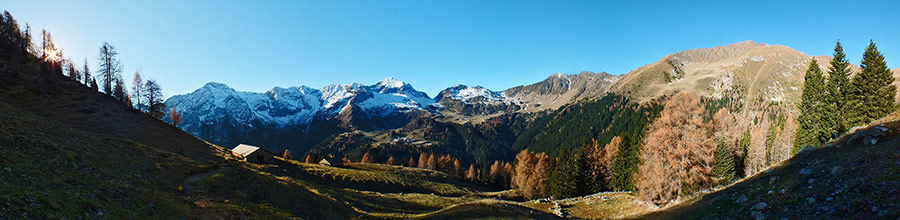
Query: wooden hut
332	161
254	154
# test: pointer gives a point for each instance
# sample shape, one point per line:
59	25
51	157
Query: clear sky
256	45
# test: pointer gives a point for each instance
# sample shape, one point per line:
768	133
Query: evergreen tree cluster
568	134
872	94
832	104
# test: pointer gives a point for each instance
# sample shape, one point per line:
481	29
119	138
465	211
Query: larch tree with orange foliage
412	162
530	177
309	159
287	155
423	160
391	161
601	159
457	170
537	181
471	174
496	174
524	167
677	153
367	158
431	163
445	164
174	116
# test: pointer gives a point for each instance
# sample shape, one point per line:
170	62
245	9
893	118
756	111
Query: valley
746	130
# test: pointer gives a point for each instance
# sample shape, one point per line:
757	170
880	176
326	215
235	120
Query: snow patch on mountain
296	105
467	94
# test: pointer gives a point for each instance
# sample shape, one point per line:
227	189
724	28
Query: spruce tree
724	167
873	95
744	147
562	183
838	89
810	131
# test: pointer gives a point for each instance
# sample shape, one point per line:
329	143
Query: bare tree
48	48
110	67
153	95
87	73
137	88
70	69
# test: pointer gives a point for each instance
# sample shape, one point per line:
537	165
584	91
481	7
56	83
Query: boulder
759	206
837	170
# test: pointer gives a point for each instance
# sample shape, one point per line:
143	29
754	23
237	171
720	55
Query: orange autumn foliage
678	152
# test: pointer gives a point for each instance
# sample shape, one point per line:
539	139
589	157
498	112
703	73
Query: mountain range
355	116
282	118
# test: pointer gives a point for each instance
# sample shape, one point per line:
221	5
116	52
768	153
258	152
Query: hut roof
245	150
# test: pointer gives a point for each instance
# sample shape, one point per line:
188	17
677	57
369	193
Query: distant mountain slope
746	69
471	101
561	89
296	117
295	106
897	82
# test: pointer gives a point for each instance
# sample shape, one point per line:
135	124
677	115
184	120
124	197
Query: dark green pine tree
872	93
744	147
584	181
724	166
811	130
838	89
562	184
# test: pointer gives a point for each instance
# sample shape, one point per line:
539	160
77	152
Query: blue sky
256	45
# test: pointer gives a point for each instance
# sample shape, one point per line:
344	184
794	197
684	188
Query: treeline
497	174
592	146
145	96
833	103
479	144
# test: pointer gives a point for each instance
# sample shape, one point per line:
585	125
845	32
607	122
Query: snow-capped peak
390	82
465	93
216	86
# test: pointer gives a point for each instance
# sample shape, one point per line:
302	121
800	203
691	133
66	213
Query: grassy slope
850	180
75	153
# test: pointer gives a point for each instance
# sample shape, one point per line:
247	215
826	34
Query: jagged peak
390	82
217	86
